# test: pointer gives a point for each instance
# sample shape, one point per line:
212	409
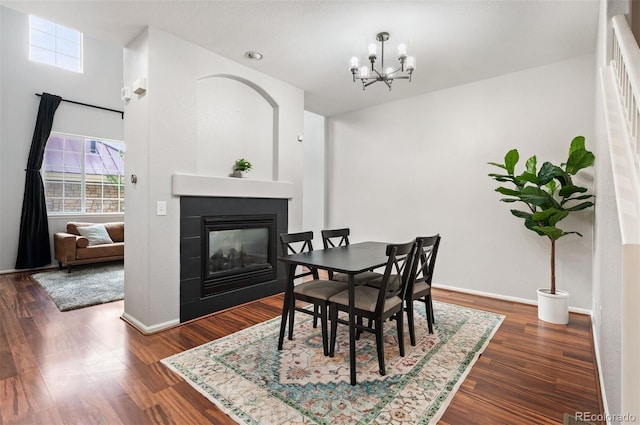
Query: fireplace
228	252
237	251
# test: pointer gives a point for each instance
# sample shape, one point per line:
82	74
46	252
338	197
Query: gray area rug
84	286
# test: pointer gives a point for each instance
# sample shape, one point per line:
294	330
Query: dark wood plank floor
89	367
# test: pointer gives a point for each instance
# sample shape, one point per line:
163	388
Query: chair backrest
425	261
294	243
399	265
335	237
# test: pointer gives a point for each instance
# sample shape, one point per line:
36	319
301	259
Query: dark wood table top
352	259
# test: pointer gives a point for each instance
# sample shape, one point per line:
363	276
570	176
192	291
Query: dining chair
378	304
419	288
315	291
333	238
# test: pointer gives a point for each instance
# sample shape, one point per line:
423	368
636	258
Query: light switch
161	208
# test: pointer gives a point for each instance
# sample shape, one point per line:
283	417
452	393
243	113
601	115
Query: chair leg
292	310
429	310
316	313
400	327
333	314
359	330
323	324
286	312
412	329
380	346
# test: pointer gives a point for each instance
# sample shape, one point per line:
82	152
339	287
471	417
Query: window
83	175
54	44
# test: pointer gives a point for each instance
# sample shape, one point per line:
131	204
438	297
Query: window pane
40	39
68	34
42	25
72	205
41	55
68	48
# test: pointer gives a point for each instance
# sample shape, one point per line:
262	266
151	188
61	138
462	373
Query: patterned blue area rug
254	383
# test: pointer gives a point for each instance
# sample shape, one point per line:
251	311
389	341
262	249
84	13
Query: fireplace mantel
229	187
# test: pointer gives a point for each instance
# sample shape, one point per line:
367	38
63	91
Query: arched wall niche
236	118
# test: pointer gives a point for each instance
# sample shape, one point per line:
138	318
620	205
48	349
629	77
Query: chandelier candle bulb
354	63
372	51
411	63
389	73
364	72
402	52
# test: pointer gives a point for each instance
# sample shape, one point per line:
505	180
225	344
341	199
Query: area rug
249	379
84	286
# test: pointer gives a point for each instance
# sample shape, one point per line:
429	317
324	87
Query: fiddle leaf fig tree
548	194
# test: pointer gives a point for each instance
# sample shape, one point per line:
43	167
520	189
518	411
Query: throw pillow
97	234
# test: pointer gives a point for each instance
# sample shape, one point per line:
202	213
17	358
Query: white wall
313	177
419	167
99	84
162	139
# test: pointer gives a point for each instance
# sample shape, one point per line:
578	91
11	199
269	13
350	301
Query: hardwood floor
89	367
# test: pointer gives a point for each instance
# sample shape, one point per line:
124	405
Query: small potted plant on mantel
550	195
241	165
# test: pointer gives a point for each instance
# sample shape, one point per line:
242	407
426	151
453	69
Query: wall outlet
161	208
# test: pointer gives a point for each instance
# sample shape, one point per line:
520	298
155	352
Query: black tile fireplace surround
198	297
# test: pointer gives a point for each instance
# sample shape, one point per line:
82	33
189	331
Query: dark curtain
33	245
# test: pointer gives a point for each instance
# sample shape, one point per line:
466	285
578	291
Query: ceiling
308	43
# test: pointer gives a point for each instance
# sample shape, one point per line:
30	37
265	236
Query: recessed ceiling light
253	55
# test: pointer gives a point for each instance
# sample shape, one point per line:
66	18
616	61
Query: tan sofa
71	248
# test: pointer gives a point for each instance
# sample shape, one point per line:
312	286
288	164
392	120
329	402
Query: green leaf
521	214
544	214
576	144
527	177
550	231
571	189
578	160
510	160
560	215
533	225
497	165
552	187
509	200
537	197
532	165
509	192
577	198
581	206
546	174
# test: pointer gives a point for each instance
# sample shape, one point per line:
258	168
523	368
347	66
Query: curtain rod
90	106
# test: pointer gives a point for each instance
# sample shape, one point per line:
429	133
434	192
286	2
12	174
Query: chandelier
386	75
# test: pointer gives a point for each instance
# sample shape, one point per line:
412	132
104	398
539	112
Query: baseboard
504	297
596	349
147	330
37	269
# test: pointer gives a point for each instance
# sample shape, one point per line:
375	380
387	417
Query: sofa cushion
116	231
115	249
97	234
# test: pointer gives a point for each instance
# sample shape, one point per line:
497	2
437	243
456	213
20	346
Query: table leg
286	306
352	330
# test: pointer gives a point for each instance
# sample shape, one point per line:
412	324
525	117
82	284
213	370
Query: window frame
58	39
85	152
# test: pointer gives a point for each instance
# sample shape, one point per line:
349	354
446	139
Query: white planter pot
553	308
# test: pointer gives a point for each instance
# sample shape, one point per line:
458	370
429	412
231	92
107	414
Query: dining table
351	259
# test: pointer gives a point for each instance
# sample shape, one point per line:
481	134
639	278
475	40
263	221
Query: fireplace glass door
238	251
